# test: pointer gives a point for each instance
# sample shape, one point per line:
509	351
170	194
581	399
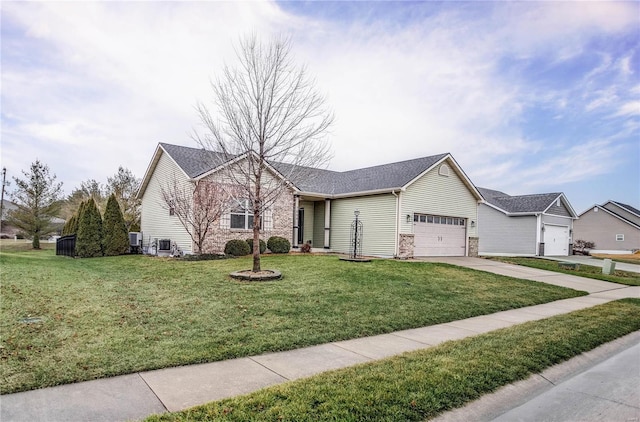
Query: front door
300	226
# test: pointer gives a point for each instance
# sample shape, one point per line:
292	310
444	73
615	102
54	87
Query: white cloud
120	77
631	108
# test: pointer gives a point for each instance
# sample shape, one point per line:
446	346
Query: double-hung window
241	215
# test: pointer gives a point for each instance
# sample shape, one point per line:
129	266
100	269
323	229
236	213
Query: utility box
609	267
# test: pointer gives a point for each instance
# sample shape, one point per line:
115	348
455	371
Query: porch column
296	206
327	222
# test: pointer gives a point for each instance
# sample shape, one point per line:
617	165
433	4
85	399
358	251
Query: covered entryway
556	240
439	236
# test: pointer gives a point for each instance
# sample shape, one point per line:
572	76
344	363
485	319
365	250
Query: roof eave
152	166
350	194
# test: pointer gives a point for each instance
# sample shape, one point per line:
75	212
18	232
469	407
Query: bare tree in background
270	114
197	205
124	184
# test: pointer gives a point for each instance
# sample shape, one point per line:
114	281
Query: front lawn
621	277
419	385
65	320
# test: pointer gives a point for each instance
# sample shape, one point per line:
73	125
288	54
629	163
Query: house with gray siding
526	225
612	226
421	207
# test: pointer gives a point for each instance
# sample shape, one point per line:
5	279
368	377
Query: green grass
621	277
420	385
115	315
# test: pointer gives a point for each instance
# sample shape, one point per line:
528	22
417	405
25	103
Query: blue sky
529	97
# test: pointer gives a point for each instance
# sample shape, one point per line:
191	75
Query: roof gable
611	214
625	207
524	204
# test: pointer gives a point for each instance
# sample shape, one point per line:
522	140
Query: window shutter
225	221
267	218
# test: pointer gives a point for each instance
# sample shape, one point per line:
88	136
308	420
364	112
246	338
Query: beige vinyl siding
307	229
318	224
601	228
377	213
156	223
438	195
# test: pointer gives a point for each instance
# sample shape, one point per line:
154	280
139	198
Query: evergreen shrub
89	235
116	237
263	245
236	247
277	244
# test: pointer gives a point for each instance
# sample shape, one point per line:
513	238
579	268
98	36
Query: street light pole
4	177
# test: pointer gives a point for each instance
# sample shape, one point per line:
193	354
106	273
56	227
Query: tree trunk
256	242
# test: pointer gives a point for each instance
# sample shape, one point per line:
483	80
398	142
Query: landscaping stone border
264	275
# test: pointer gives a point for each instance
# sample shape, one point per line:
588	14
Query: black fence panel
66	245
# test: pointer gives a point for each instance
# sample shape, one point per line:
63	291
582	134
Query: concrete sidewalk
136	396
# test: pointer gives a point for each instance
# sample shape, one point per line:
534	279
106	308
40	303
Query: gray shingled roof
196	162
521	203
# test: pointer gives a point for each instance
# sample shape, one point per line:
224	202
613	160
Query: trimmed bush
237	247
263	246
116	237
277	244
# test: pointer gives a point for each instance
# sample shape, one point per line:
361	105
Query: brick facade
282	225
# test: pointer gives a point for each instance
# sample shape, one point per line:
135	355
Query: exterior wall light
408	218
473	223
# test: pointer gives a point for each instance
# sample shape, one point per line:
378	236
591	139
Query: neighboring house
529	225
421	207
612	226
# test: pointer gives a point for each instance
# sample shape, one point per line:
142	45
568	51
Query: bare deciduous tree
269	115
197	205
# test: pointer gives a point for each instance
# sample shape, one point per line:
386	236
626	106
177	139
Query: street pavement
136	396
602	385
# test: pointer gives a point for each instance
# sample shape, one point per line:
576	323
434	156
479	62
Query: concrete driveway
589	260
588	285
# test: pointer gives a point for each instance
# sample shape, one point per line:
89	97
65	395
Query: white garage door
556	240
438	236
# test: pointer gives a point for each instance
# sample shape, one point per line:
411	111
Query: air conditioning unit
135	238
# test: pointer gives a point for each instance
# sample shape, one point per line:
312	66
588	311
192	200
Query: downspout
397	228
538	230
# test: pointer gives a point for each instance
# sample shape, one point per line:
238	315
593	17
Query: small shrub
237	247
263	246
277	244
583	246
306	248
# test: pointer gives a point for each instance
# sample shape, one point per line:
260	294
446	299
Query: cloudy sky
529	97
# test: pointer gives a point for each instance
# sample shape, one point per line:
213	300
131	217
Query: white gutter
351	194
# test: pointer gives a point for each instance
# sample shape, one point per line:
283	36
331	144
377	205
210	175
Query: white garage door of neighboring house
438	236
556	240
